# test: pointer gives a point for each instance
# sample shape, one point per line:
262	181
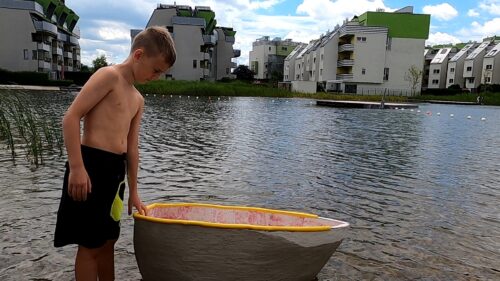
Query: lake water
420	190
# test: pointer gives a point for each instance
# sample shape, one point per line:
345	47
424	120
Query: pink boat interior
237	216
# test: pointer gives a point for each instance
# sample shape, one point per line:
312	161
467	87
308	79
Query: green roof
400	25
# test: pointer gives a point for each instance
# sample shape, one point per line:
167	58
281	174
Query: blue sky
105	24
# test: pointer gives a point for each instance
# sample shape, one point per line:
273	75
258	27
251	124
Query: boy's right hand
79	184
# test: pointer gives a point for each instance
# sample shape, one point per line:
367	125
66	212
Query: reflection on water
420	190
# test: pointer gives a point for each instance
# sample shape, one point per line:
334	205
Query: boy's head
154	41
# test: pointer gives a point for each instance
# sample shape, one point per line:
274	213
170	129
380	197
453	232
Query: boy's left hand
135	201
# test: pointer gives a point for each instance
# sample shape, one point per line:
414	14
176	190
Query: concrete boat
190	241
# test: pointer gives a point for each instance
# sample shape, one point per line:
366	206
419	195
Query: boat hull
168	252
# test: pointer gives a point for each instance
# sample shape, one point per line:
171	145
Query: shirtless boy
94	182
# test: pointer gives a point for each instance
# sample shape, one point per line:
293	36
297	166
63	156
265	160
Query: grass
23	128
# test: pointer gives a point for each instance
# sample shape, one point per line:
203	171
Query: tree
99	62
84	68
413	76
242	72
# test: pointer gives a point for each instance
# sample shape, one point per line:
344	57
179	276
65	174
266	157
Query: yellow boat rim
231	225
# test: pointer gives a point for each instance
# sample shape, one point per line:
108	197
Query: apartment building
267	56
491	66
43	38
289	63
204	50
454	74
429	54
370	54
438	67
473	66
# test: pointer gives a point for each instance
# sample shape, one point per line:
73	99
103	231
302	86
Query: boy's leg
86	264
106	261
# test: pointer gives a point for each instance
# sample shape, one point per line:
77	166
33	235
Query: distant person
94	182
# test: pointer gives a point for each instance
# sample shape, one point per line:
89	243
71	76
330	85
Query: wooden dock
364	104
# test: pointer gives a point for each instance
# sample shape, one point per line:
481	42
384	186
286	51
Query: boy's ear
138	53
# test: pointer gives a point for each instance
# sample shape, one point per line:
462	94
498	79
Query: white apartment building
429	54
267	56
39	35
289	64
204	51
371	54
454	75
473	66
491	66
439	68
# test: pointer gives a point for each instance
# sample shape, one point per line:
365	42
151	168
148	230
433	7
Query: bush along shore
238	88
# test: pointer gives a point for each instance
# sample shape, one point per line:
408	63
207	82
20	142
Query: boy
94	182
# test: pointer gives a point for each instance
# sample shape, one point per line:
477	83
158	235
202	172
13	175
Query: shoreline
30	87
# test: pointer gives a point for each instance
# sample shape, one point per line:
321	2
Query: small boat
191	242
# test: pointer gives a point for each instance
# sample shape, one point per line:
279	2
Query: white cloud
442	11
472	13
478	31
111	30
439	38
490	6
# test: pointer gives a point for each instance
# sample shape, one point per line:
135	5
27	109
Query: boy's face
149	68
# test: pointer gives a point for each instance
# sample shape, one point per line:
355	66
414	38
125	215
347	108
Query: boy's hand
135	201
79	184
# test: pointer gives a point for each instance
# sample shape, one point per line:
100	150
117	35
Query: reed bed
27	131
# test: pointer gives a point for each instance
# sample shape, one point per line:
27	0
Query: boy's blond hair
156	40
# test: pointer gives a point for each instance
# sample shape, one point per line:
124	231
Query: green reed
24	128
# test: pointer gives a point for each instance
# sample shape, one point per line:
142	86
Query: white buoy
189	97
452	115
180	96
418	111
218	98
469	117
438	114
396	108
170	95
483	118
272	101
411	110
403	108
196	97
155	96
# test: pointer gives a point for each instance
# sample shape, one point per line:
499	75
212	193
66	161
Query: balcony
209	40
44	65
233	64
236	53
345	63
56	67
57	51
230	39
205	56
43	26
68	55
346	48
347	76
43	47
73	40
77	57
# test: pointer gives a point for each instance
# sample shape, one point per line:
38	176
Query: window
35	55
361	39
194	63
321	71
269	48
489	66
471	80
386	74
450	81
321	56
452	70
435	82
469	68
363	71
435	71
443	51
351	89
283	48
26	54
314	60
487	79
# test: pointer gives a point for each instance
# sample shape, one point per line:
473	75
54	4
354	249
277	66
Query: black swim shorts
92	222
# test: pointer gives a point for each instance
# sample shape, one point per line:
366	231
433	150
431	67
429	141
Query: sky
105	24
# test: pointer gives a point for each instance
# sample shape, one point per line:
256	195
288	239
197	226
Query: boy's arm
133	161
98	86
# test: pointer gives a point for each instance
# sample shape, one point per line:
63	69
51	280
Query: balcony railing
44	65
43	26
236	53
57	51
73	40
346	48
56	67
348	76
343	63
43	47
209	40
68	55
230	39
